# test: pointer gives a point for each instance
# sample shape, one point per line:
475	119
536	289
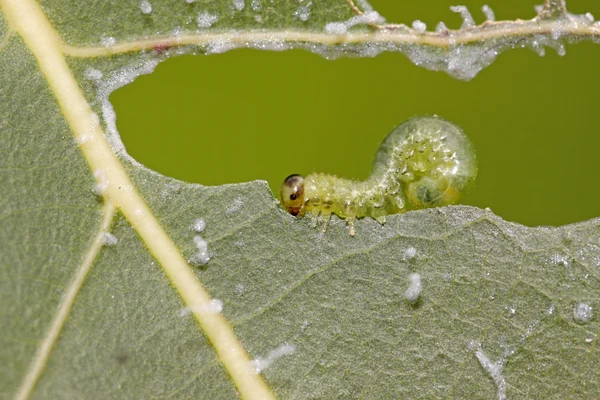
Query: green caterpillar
424	162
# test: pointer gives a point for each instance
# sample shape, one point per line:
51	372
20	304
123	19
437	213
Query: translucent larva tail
430	159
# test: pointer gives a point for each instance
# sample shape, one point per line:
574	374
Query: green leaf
505	310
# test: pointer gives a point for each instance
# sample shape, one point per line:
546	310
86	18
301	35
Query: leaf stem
568	27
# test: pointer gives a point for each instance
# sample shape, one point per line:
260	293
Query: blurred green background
250	114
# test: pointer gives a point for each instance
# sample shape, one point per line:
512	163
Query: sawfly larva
424	162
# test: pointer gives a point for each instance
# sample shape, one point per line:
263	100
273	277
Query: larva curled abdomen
424	162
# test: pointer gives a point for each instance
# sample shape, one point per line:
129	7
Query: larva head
292	194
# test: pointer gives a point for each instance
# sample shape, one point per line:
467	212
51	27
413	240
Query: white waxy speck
199	225
336	28
190	1
488	12
562	260
146	7
511	310
419	26
466	16
92	74
413	292
214	306
239	4
110	239
256	5
411	252
108	41
206	20
101	182
538	8
137	211
303	13
235	207
441	27
340	28
589	17
260	364
550	310
239	289
495	371
201	257
582	313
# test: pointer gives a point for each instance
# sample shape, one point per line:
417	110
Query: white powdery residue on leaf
488	12
235	207
538	47
117	80
511	310
205	20
260	364
239	4
589	17
239	289
441	27
101	182
214	306
256	5
220	46
199	225
559	259
303	12
419	26
190	1
364	5
108	41
495	370
582	313
201	257
409	253
110	239
145	7
340	28
466	16
413	292
92	74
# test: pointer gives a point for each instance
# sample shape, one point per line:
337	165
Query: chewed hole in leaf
263	115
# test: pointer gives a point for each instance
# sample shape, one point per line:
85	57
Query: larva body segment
424	162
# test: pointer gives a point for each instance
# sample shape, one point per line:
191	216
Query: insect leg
326	216
350	222
313	218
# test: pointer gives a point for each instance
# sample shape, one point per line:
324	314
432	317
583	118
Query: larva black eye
292	194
